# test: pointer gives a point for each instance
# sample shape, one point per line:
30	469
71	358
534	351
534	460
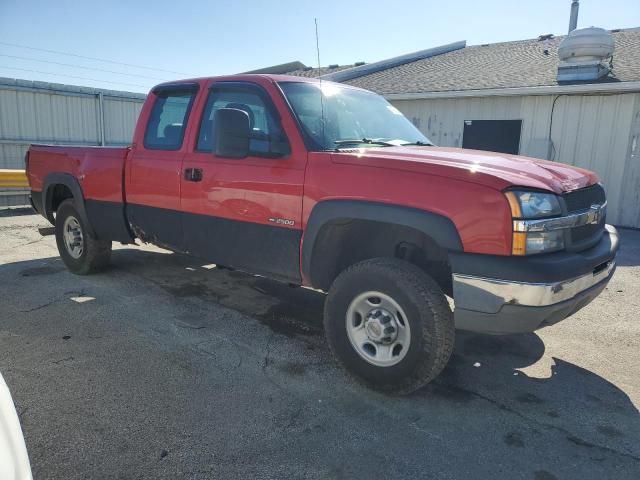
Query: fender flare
438	227
71	182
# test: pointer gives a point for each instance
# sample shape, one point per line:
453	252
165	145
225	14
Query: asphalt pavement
164	367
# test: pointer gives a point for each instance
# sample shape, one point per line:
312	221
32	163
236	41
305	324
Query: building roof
16	83
281	68
524	63
317	72
342	73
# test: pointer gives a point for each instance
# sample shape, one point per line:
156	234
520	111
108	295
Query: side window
267	137
168	119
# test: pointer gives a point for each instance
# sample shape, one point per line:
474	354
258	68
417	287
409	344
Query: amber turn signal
519	243
514	204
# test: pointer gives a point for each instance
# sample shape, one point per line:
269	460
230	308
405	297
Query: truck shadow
287	310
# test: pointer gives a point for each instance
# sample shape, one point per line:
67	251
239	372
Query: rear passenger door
154	168
245	213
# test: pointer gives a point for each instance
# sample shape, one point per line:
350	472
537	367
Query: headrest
172	132
245	108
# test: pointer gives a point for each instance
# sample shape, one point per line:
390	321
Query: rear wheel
80	252
389	324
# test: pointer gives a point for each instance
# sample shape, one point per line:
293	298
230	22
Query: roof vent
584	53
547	36
573	18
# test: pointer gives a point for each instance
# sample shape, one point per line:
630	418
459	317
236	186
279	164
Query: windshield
352	117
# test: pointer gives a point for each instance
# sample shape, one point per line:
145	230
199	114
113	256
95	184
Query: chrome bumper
497	306
490	294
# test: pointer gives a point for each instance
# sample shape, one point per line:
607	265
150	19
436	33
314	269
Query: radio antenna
320	80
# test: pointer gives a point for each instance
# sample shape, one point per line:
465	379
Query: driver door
245	213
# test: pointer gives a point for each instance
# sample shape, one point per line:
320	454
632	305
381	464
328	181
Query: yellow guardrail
13	179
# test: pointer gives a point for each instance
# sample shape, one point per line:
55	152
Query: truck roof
253	77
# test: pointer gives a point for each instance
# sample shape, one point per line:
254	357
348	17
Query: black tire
427	311
95	255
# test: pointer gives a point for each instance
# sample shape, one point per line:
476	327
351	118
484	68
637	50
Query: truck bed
93	176
99	170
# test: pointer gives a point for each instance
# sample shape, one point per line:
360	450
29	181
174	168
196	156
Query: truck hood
497	170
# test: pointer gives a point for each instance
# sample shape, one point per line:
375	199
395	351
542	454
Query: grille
586	235
584	198
585	232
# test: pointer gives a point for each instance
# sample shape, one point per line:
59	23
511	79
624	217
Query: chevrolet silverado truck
330	187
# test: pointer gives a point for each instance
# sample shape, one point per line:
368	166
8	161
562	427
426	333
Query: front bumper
527	293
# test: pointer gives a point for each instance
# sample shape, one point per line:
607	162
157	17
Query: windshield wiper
418	143
368	141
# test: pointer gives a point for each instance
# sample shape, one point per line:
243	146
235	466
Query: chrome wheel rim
73	239
378	329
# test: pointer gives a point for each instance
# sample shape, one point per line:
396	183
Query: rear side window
168	119
267	136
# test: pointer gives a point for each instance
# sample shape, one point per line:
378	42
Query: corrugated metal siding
12	155
32	112
48	117
593	132
630	215
120	117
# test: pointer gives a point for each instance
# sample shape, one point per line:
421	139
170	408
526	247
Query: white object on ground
14	460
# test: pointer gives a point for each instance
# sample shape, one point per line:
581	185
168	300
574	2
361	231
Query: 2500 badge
282	221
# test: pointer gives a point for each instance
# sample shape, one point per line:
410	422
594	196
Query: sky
191	38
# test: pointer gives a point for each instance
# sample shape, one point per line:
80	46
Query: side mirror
231	132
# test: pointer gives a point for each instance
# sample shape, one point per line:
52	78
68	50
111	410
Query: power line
79	66
90	58
74	76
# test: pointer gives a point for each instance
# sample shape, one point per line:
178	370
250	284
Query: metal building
40	112
599	132
506	97
521	97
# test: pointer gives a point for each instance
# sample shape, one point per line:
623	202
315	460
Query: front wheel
389	324
80	252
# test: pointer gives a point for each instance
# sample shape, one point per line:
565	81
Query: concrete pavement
163	367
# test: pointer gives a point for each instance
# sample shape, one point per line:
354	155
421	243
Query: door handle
193	174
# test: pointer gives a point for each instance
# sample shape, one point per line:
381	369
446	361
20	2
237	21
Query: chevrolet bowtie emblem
595	213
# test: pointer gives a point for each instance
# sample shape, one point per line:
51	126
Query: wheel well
57	194
343	243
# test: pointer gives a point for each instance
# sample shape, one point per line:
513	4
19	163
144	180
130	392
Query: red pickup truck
328	186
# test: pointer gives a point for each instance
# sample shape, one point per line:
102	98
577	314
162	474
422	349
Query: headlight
532	206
